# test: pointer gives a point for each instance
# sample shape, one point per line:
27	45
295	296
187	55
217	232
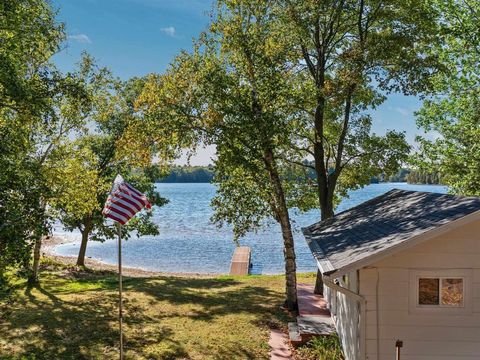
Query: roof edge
411	242
323	263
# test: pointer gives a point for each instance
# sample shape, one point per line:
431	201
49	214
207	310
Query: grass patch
72	314
321	348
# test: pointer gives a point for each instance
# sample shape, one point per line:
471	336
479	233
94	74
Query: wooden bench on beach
241	261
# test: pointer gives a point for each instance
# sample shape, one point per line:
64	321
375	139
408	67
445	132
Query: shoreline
48	251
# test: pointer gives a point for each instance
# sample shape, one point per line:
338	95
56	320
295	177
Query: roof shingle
381	223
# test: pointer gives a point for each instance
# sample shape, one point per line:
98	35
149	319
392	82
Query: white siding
345	312
425	336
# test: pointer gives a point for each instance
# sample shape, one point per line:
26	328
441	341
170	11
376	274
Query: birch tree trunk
283	218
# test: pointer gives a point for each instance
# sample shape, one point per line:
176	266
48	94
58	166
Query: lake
190	243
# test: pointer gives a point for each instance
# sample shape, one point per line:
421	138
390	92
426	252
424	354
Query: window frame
440	287
414	287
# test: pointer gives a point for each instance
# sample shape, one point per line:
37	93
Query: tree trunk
326	209
281	210
36	260
290	262
33	278
319	284
327	181
288	244
83	246
321	168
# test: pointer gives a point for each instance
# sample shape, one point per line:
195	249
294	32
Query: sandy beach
48	251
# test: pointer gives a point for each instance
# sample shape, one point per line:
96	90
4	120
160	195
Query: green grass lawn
73	315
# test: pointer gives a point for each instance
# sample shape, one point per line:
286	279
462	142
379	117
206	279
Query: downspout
363	310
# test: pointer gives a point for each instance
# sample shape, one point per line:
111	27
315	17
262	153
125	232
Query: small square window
440	292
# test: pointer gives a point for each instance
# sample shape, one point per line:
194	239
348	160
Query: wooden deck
313	318
241	261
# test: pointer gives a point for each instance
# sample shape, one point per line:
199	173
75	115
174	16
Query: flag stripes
124	202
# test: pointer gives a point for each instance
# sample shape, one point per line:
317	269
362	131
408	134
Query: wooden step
313	318
310	303
294	334
315	325
308	327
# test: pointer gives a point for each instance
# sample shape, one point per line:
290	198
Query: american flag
124	201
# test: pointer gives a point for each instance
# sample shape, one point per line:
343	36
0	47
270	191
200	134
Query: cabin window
440	291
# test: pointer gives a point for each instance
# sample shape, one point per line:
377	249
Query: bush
321	348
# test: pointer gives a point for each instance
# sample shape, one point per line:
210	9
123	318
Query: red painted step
313	319
309	303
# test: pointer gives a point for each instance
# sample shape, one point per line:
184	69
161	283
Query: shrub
321	348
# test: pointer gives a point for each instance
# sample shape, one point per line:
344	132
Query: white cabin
403	267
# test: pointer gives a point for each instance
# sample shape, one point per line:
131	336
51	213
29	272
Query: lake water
189	242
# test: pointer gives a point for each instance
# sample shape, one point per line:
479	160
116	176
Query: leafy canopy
232	91
451	114
82	170
29	36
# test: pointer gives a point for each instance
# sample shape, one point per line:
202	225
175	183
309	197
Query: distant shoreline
206	174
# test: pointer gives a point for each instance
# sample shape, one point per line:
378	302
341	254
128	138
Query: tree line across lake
205	174
189	174
411	176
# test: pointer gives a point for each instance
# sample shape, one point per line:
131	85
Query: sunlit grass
73	315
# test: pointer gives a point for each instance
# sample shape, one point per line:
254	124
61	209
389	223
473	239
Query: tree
30	36
231	91
401	175
189	174
69	106
22	217
82	170
41	111
351	54
419	176
335	60
452	111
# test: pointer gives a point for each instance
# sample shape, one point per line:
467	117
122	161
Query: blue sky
137	37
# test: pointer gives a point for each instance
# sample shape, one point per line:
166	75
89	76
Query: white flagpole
120	305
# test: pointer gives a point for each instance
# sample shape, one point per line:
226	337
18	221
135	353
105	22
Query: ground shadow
46	327
78	319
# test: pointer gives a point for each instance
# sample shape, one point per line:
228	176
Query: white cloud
81	38
170	31
403	111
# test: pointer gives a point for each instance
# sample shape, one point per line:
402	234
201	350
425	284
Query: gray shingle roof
381	223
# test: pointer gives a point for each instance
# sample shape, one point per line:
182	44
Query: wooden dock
241	261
